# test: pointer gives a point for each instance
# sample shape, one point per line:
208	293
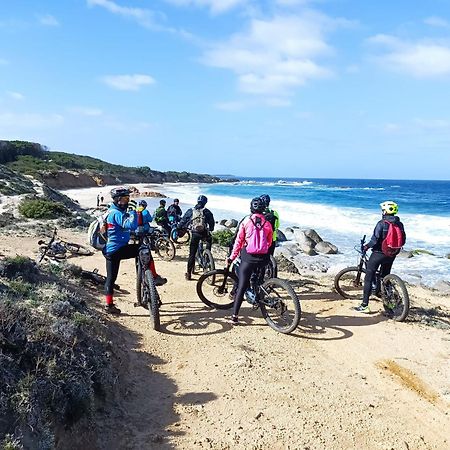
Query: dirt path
341	381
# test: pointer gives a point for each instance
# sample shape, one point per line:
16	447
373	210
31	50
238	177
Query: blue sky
283	88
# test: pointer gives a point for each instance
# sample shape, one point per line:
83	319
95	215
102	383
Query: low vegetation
224	238
41	208
54	363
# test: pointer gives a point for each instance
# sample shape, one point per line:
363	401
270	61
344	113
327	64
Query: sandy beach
342	380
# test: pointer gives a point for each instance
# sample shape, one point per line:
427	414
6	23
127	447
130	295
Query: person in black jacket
200	221
389	210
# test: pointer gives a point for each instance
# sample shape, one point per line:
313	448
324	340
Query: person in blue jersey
145	214
121	220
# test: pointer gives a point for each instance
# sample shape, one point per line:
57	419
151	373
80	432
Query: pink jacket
244	233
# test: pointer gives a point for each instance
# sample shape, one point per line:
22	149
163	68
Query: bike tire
209	289
395	297
271	270
277	295
165	249
139	283
150	292
184	239
347	283
77	249
208	261
49	253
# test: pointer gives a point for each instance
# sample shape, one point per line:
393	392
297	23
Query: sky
281	88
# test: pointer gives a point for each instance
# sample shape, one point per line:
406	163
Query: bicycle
146	293
58	248
159	242
176	235
277	300
349	283
204	259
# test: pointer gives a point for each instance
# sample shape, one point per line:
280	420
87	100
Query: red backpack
394	240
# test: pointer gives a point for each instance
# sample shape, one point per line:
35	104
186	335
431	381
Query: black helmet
176	200
257	205
119	192
143	203
202	199
162	202
265	198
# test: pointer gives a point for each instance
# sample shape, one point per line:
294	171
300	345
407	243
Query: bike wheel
182	238
77	249
271	270
279	305
395	297
165	249
208	262
48	252
139	283
349	282
151	298
212	290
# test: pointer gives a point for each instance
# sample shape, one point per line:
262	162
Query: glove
132	205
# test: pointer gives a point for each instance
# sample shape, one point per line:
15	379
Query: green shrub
19	267
419	251
40	208
223	238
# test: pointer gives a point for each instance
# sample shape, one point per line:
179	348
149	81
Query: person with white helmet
389	210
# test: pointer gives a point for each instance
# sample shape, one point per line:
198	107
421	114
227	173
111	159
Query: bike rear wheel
77	249
165	249
212	290
395	297
208	261
279	305
349	282
48	252
151	298
271	270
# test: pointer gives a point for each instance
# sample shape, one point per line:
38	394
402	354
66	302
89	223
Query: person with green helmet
378	258
273	217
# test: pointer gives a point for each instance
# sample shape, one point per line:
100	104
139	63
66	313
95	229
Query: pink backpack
393	241
257	229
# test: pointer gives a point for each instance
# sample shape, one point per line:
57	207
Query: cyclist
389	210
273	217
121	220
250	261
174	210
161	216
145	214
200	221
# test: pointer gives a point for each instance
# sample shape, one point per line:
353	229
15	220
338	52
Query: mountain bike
176	235
276	298
146	293
159	242
349	283
204	259
58	248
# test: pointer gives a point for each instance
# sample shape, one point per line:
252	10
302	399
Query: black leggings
246	268
376	259
113	264
193	246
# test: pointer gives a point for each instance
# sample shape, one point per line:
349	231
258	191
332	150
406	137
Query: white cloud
48	20
435	21
215	6
144	17
22	121
86	111
128	82
275	56
15	95
421	59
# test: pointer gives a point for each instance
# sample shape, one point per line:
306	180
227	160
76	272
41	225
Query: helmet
162	202
119	192
389	207
257	205
175	200
202	199
143	203
265	199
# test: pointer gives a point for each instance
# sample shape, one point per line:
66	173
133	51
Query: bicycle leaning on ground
276	298
349	283
58	248
146	293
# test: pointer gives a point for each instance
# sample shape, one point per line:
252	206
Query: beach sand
341	381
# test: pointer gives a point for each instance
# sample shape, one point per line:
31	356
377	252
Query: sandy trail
340	381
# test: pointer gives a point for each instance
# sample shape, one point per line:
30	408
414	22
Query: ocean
342	211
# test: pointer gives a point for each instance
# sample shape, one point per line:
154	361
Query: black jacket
174	210
380	232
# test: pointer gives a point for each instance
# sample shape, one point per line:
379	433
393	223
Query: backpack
198	223
393	241
98	232
257	242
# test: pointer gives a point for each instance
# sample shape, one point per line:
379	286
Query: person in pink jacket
252	244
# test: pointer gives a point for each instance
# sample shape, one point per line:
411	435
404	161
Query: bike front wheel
77	249
395	297
271	270
180	237
151	298
279	305
216	292
165	249
208	261
349	282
